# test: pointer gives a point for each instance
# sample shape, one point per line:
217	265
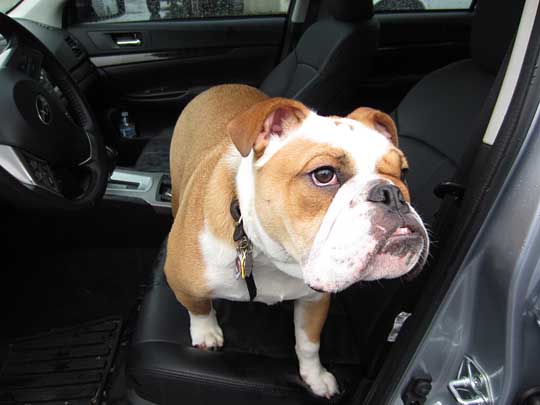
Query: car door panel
169	63
174	77
411	45
177	59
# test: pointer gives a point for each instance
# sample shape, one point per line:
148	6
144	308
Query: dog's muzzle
367	235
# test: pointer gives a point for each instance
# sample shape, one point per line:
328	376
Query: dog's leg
309	318
205	330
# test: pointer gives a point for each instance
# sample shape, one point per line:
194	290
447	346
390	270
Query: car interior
87	314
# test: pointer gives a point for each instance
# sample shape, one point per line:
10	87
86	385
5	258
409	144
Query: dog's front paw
206	332
210	339
321	382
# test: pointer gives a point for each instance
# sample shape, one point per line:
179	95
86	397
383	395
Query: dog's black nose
389	195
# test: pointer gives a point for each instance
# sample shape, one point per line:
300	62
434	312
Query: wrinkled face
331	191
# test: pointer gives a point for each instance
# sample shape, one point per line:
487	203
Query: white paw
205	331
321	382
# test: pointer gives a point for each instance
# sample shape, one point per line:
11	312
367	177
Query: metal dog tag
244	259
237	268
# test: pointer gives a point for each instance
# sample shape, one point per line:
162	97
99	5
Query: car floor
56	289
48	289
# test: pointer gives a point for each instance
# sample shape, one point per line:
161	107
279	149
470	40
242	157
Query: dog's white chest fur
273	285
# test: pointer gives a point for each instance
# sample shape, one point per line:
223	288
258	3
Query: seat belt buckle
449	188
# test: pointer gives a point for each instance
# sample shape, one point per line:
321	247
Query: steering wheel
52	156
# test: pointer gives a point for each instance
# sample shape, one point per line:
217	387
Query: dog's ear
378	121
252	128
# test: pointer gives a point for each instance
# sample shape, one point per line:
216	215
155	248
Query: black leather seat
330	56
438	120
257	365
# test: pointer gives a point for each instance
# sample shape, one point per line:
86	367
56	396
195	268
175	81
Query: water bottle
127	129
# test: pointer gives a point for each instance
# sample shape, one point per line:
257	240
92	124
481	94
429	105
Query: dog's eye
404	174
324	176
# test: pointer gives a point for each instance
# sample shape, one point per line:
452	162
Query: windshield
6	5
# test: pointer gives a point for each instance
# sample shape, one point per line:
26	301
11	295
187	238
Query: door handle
127	40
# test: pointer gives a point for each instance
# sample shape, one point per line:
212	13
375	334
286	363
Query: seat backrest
331	54
440	118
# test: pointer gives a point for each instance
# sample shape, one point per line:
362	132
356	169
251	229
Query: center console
148	187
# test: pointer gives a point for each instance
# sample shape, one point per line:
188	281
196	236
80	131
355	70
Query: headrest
350	10
494	25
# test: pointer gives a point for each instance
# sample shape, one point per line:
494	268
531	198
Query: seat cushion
437	123
257	364
329	59
155	155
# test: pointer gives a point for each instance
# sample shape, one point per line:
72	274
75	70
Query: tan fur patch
196	306
245	129
378	121
220	193
202	126
286	192
390	167
315	314
199	148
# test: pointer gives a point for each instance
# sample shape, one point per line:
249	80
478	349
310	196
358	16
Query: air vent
74	45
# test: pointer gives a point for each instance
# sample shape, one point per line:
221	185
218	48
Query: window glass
152	10
6	5
403	5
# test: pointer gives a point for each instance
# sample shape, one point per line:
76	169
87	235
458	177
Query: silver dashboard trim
146	186
12	163
5	56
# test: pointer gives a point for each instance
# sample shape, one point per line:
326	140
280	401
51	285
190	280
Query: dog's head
330	191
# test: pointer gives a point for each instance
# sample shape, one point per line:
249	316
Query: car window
89	11
6	5
419	5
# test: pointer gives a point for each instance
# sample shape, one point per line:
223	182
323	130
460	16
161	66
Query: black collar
244	251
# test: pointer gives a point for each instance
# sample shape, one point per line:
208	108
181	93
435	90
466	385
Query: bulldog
273	202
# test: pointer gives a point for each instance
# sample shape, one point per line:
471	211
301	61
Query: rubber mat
65	366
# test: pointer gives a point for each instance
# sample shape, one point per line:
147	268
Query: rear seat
438	119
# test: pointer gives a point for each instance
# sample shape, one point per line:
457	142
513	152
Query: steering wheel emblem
43	109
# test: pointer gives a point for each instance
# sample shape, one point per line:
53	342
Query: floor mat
44	290
65	366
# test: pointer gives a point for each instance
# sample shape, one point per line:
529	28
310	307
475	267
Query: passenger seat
330	56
